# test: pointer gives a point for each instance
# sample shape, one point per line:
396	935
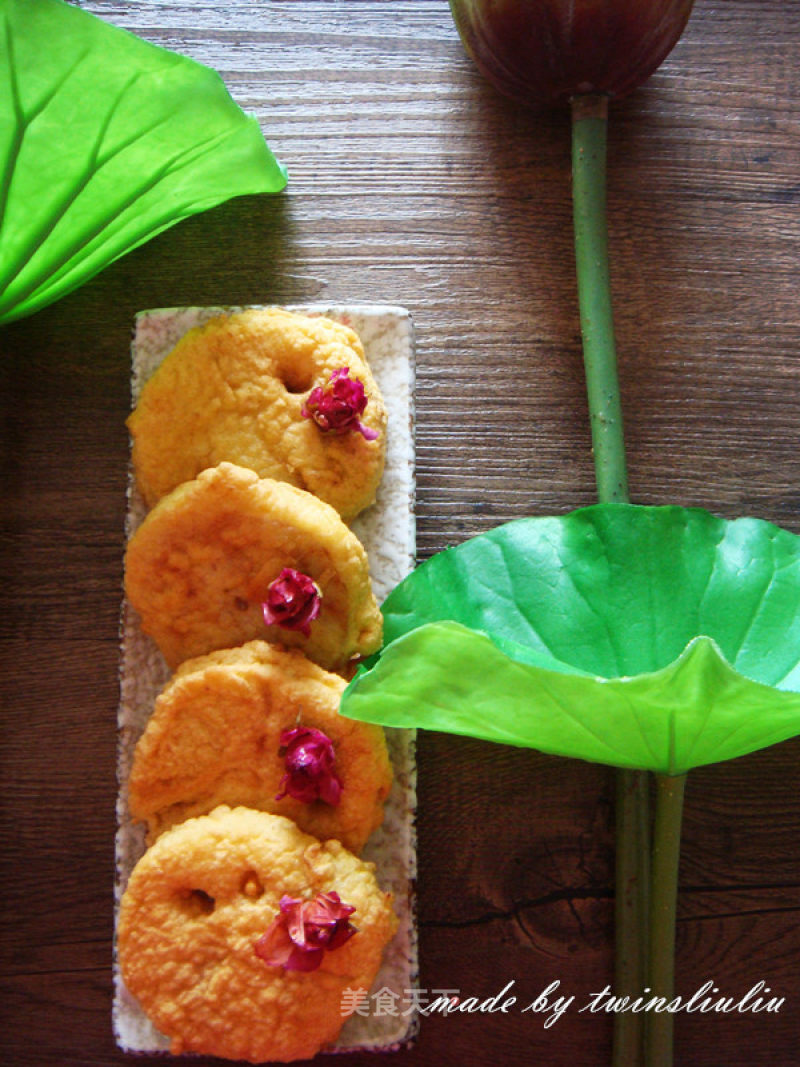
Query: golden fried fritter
200	566
234	390
215	738
194	908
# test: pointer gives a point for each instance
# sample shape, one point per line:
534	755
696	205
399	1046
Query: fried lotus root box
387	532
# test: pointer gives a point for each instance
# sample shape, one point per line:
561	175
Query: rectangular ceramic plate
387	531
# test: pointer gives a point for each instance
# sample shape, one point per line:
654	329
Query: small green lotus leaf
656	638
619	589
105	141
698	710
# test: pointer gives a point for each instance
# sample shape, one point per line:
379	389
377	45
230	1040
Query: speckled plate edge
388	532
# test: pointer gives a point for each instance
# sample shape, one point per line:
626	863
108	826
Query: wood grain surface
413	183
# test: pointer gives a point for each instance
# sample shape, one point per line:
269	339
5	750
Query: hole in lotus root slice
250	885
197	903
297	377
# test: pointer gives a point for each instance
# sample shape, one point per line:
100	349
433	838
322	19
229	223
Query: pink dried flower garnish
293	601
336	407
304	930
310	762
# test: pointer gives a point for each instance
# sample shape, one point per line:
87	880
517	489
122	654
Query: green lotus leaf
105	141
654	638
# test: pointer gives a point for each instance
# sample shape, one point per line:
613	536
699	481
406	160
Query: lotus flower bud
544	51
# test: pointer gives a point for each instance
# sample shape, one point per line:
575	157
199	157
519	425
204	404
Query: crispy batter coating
233	390
214	738
199	566
194	907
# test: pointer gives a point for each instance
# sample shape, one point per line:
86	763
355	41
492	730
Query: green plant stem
631	910
666	857
589	138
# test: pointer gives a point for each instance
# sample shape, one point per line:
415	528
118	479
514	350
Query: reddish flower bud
293	601
304	930
310	762
542	51
336	407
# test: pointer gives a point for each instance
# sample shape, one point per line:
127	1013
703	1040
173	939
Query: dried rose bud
336	407
293	601
542	51
310	762
304	930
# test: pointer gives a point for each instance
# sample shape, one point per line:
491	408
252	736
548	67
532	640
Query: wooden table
413	183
